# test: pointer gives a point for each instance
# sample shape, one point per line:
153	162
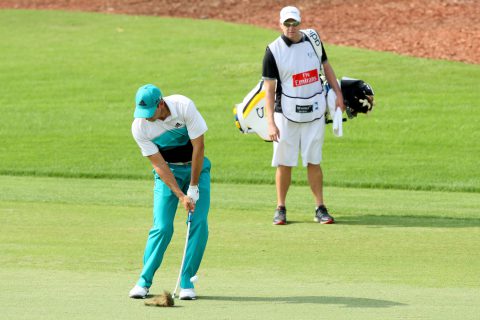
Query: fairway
76	195
72	248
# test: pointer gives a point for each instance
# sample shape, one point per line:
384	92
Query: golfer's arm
165	174
197	159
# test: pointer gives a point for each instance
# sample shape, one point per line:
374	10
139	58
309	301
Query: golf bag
250	113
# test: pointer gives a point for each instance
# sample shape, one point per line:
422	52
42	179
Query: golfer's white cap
290	13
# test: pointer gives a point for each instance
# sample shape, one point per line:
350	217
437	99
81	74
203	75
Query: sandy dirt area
439	29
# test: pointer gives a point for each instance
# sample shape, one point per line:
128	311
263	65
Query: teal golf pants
165	205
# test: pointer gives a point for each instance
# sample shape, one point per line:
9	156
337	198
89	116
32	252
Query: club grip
189	218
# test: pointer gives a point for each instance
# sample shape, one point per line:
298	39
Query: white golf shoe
187	294
138	292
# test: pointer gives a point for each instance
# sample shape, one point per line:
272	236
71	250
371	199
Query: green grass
68	82
71	248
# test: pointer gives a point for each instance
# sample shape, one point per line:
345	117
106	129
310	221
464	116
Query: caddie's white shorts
307	137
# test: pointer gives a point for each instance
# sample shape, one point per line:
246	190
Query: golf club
189	219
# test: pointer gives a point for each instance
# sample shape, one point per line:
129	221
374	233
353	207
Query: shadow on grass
346	302
297	221
410	221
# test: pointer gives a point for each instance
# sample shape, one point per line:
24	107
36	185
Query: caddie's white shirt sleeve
196	125
141	137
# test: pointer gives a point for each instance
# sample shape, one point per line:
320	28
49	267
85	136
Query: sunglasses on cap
291	24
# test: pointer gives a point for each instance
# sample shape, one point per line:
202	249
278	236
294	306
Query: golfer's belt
180	163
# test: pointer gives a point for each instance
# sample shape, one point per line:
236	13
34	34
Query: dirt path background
440	29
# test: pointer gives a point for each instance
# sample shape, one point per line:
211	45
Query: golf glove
193	193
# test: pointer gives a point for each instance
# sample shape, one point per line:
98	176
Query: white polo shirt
171	137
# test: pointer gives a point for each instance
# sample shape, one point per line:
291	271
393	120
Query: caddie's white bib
298	66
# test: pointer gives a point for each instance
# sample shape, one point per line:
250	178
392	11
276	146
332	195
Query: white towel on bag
335	113
337	123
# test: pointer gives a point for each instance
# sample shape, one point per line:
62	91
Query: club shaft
184	253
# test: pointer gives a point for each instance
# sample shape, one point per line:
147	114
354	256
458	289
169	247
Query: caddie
170	132
295	107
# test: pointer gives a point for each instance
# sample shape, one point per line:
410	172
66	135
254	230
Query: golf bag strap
316	43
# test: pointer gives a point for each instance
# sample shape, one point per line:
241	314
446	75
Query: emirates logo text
304	78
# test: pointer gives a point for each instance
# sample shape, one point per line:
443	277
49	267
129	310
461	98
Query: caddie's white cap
290	13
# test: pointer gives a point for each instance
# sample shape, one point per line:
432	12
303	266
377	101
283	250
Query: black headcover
357	96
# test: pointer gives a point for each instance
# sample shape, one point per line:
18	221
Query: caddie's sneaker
280	216
322	216
138	292
187	294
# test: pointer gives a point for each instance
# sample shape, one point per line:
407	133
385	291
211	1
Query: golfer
295	105
170	133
